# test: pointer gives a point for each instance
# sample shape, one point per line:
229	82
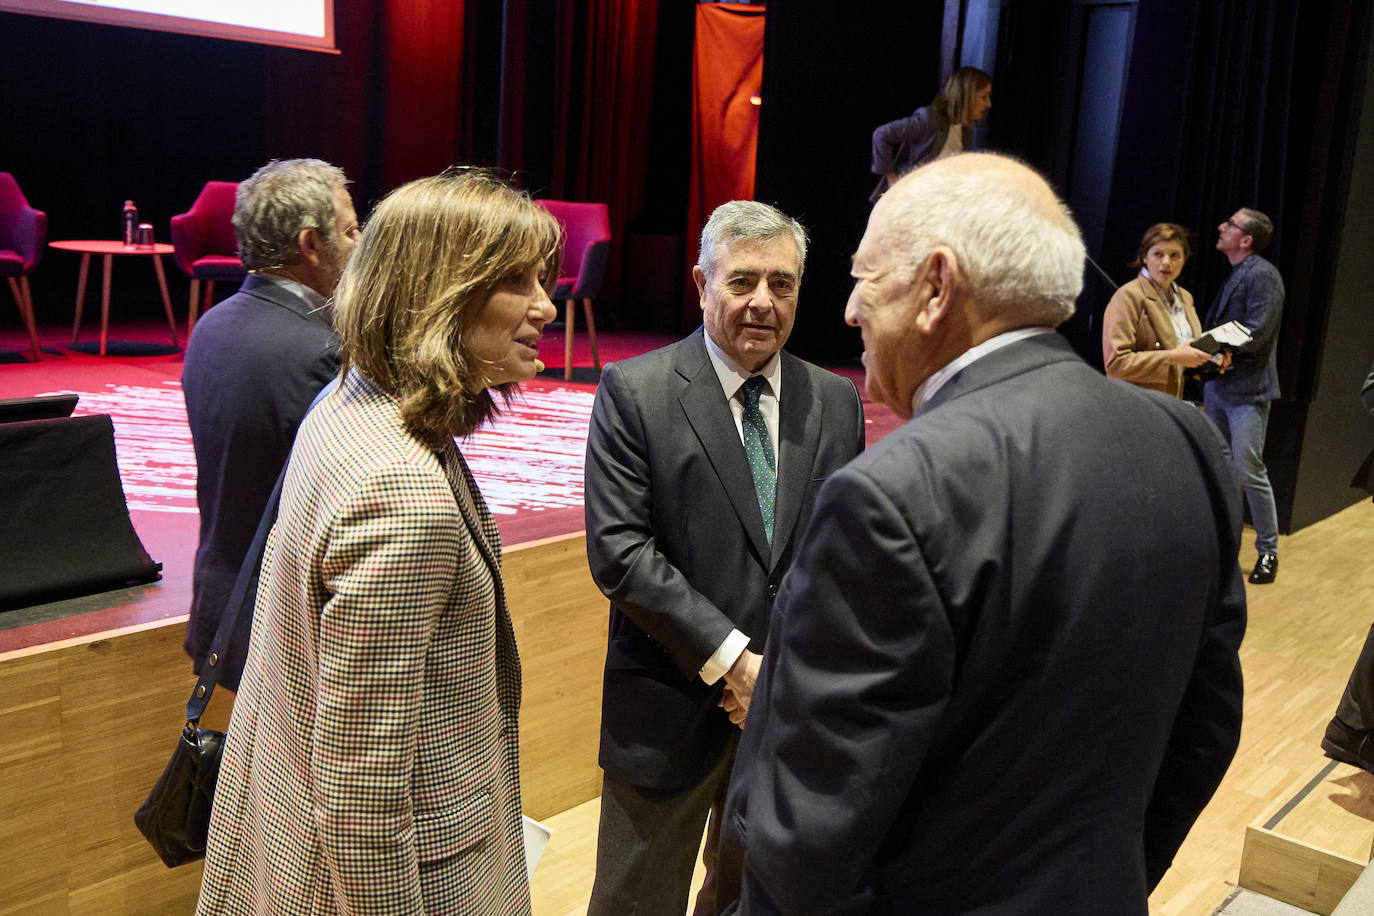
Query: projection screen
305	24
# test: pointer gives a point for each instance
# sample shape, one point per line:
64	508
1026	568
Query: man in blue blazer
703	459
253	365
1002	676
1237	400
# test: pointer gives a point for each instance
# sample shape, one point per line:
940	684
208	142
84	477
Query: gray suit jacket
675	539
1252	295
253	365
1002	676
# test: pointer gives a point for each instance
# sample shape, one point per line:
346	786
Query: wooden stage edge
87	724
1314	844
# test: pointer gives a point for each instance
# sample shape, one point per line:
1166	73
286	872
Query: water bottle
130	222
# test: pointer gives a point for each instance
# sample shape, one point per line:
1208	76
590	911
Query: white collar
312	298
1169	297
732	376
946	372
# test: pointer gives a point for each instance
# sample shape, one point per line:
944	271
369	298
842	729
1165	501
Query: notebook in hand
1230	334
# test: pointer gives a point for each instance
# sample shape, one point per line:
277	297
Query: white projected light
292	23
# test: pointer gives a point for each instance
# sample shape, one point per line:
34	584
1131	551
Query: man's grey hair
1259	227
748	219
1021	262
279	201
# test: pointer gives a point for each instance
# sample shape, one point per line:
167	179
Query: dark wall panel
1338	433
831	74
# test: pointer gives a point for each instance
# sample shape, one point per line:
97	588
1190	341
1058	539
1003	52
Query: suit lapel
466	494
704	404
488	540
1158	314
1219	306
799	436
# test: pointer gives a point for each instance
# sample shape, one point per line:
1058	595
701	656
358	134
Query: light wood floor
1305	632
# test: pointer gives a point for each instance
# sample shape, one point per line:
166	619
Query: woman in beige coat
1150	322
372	762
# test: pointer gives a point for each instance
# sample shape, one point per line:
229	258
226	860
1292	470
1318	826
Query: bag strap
228	620
246	579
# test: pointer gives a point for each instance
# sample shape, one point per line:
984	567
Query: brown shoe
1347	745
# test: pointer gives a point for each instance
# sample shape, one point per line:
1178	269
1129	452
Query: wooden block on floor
1311	847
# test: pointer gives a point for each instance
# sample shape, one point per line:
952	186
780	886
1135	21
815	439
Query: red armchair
23	230
586	246
204	244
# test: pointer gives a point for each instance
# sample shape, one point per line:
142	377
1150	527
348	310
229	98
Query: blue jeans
1244	427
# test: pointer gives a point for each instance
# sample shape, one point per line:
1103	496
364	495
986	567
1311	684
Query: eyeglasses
1234	225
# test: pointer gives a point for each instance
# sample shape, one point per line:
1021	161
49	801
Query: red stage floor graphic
528	459
528	464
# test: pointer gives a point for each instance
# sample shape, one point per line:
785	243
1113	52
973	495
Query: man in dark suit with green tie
703	459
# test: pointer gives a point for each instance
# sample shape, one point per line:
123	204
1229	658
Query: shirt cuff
728	653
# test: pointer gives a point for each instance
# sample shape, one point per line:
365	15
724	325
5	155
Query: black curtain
1267	96
831	74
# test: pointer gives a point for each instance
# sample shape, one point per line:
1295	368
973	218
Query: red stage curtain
727	70
603	105
424	68
386	108
421	84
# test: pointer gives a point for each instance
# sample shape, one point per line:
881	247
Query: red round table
108	250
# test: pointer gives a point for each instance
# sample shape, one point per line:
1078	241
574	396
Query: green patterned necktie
758	448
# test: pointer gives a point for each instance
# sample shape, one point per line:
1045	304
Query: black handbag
175	817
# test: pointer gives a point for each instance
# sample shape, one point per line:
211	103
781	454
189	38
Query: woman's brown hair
430	256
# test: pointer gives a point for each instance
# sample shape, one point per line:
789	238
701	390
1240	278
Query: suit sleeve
1260	311
390	568
1120	334
624	557
858	671
894	138
1206	730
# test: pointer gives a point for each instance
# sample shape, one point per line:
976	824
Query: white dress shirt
1173	304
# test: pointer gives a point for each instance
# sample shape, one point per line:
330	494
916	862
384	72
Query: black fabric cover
67	528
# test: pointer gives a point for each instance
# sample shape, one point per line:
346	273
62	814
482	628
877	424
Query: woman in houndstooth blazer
372	760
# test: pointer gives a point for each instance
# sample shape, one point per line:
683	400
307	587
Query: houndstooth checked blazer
372	760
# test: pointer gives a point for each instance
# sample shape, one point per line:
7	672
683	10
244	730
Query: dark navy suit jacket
253	365
1002	676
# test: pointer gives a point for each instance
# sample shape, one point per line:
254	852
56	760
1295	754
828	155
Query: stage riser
86	727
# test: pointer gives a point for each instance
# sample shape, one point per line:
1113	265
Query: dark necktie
758	448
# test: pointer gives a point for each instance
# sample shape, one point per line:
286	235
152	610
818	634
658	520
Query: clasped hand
739	686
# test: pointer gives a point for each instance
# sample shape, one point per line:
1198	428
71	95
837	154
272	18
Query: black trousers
1356	708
